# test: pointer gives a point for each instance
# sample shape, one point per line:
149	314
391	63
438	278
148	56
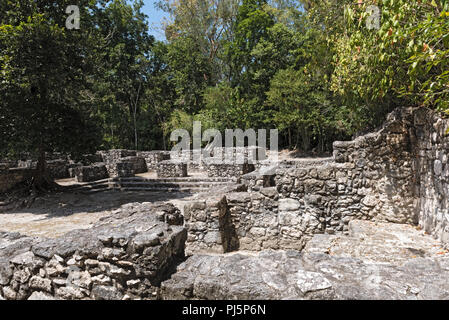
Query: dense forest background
312	69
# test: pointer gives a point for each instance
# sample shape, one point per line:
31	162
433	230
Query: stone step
191	185
169	185
170	180
88	184
160	189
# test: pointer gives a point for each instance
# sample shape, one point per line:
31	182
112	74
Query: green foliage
429	65
179	120
43	77
123	71
191	71
310	68
400	64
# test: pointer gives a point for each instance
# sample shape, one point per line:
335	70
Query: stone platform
123	256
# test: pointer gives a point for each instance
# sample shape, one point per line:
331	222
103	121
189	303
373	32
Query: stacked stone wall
431	142
114	163
91	173
168	168
152	158
58	169
9	178
124	256
371	178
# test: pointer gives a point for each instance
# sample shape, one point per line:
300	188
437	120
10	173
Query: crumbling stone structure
382	176
293	217
152	158
9	178
429	134
124	256
170	168
91	173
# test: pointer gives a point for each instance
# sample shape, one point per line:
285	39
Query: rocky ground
123	256
376	261
56	214
130	245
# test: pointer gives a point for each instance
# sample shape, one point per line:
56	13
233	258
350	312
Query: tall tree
126	48
44	80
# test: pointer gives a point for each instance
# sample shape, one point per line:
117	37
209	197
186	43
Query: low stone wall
6	164
122	170
228	170
72	169
124	256
58	169
205	222
371	178
91	173
250	155
152	158
112	157
251	221
139	164
168	168
9	178
88	159
27	164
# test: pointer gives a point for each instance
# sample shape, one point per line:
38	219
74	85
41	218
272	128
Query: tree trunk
42	182
289	138
305	138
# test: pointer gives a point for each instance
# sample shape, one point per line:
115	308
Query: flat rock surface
377	242
295	275
375	261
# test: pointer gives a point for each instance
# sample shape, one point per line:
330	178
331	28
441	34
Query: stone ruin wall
431	151
9	178
398	174
152	158
124	256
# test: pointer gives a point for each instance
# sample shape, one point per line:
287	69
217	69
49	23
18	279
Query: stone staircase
180	184
90	187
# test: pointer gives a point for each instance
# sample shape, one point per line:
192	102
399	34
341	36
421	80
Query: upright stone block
168	169
91	173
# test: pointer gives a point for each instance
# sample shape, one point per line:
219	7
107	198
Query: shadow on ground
54	214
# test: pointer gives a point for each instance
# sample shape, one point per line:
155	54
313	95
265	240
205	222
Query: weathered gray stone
91	173
39	283
170	168
6	272
70	293
288	205
289	275
137	244
36	295
106	293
